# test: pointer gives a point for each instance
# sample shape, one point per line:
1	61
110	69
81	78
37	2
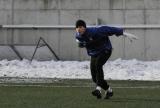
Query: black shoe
97	93
108	95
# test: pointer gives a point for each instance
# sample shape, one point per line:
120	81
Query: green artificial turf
77	94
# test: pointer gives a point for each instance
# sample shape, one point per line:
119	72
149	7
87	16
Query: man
98	45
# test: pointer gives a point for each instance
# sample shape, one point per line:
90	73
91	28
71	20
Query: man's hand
130	36
81	44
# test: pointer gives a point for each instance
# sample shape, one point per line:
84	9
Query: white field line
52	86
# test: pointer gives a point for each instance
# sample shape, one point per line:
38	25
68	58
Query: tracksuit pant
96	66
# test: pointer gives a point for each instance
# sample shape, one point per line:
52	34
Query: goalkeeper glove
130	36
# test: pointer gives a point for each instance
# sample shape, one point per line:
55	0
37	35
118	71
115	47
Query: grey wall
66	12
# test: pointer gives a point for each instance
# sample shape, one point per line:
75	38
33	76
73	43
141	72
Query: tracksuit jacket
96	39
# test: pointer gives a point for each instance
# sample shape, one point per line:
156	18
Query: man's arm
109	31
116	31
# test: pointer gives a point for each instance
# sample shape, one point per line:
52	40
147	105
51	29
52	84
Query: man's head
80	26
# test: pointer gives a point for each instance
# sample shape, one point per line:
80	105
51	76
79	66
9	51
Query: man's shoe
108	95
97	93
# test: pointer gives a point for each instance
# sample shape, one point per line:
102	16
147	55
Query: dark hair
80	23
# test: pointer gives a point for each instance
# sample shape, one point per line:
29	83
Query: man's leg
101	60
96	92
93	69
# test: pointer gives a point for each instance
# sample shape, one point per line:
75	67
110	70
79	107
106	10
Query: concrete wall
66	12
